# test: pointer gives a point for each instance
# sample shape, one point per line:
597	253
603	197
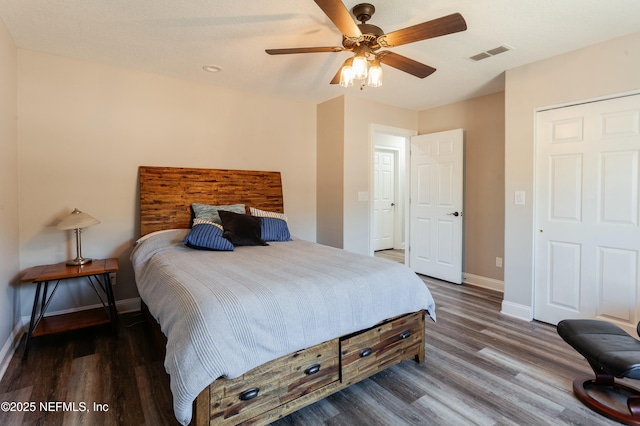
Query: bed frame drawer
366	353
273	384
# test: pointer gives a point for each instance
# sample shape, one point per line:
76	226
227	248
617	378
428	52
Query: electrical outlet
499	262
112	278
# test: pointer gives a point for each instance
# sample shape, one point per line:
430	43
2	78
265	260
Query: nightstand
97	273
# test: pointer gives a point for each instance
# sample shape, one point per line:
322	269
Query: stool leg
602	378
633	403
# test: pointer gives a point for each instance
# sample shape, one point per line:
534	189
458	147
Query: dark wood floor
481	368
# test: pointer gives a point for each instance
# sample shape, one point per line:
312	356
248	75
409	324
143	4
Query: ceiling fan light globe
346	76
360	67
375	75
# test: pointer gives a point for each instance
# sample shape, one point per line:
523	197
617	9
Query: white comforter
225	313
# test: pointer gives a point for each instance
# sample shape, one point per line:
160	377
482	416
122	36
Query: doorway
385	164
388	186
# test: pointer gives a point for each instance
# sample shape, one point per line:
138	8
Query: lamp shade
77	219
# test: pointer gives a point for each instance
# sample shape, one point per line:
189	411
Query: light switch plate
363	196
519	198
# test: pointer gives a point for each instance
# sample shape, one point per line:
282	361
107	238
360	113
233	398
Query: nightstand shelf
97	273
72	321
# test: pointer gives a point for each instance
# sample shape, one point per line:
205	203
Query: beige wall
482	119
599	70
85	128
330	149
9	248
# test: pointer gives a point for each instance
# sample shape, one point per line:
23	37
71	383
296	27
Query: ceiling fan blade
304	50
438	27
405	64
340	16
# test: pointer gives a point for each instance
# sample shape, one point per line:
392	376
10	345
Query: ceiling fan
366	40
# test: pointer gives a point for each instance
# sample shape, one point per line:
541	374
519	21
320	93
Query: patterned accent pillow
210	213
263	213
207	237
274	229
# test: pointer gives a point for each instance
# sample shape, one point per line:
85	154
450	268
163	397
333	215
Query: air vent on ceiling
491	52
480	56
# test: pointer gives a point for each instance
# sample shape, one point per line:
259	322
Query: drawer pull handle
312	369
249	394
365	352
405	334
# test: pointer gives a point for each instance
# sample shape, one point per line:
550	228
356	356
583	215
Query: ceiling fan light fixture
360	63
375	74
359	68
346	76
364	40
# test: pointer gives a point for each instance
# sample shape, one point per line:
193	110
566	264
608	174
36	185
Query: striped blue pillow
273	229
207	237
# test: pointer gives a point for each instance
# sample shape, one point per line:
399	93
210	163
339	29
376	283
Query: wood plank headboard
166	193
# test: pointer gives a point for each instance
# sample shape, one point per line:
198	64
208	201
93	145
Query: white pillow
162	231
264	213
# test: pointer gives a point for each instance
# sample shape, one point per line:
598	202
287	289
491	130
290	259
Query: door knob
454	214
393	204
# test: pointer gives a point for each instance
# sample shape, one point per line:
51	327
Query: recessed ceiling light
212	68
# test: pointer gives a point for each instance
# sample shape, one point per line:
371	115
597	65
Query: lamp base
79	261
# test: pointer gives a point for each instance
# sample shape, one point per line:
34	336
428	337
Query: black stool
611	352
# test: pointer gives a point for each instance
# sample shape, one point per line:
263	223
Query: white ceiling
177	38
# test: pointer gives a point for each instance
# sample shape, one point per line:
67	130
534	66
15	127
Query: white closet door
588	235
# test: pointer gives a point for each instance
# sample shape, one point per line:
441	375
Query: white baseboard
515	310
9	347
128	305
484	282
124	306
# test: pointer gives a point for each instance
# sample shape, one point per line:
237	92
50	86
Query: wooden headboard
166	193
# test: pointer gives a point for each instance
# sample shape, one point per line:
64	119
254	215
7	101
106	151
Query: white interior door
435	243
588	236
384	199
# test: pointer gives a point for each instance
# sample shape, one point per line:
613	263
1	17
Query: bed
258	332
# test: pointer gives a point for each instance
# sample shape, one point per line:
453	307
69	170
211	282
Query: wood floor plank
481	368
152	386
15	418
86	382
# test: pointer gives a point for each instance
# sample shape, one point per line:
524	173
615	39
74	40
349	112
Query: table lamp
77	220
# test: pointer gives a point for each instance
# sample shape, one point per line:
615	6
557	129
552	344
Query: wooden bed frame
282	386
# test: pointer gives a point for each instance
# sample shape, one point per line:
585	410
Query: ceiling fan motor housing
363	11
370	33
